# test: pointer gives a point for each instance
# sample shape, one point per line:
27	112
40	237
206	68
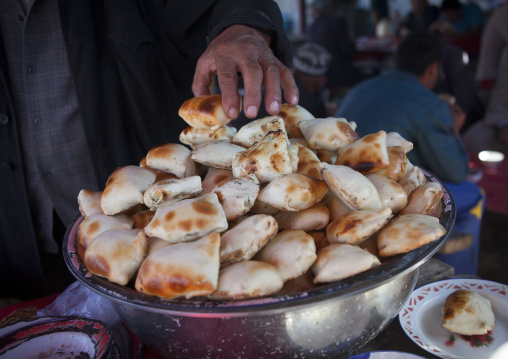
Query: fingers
203	77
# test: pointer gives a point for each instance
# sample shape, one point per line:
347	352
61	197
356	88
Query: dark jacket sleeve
185	22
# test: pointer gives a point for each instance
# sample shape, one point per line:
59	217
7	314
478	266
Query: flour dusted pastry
247	279
204	112
98	223
292	252
167	192
292	116
328	133
339	261
89	202
424	199
355	227
216	154
412	179
351	187
408	232
467	312
293	192
213	177
395	139
397	162
117	254
255	130
172	158
194	137
312	218
263	208
308	162
124	188
366	155
188	219
244	240
391	193
182	270
237	195
267	159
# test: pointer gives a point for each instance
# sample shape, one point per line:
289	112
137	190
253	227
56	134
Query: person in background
420	17
403	101
462	19
310	63
89	86
379	11
491	133
330	32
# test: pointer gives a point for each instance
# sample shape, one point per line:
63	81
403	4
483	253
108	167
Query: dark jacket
132	63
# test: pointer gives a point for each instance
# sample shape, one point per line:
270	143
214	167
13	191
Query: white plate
386	355
421	319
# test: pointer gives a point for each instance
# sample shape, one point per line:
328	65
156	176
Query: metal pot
327	321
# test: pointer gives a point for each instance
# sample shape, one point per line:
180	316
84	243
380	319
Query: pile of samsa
243	212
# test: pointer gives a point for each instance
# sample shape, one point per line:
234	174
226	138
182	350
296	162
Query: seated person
458	18
421	16
403	101
310	63
492	73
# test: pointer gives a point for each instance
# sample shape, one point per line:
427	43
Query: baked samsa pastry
366	155
355	227
267	159
125	188
293	192
213	177
237	195
244	240
141	219
412	179
328	133
339	261
408	232
181	270
424	199
216	154
172	158
188	219
352	187
98	223
292	115
117	254
308	162
154	244
89	202
204	112
194	137
397	162
247	279
167	192
467	312
292	252
395	139
311	219
335	205
255	130
391	193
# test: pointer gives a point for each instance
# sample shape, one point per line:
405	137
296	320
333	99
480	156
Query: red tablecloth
495	184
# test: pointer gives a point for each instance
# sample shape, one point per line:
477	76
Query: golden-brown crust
204	112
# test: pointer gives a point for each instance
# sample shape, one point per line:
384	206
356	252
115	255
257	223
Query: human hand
459	117
243	49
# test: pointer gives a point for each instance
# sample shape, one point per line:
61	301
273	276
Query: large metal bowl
327	321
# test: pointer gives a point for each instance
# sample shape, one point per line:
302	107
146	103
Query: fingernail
294	99
274	107
252	111
232	113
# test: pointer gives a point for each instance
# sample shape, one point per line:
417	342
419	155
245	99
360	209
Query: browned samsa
204	112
